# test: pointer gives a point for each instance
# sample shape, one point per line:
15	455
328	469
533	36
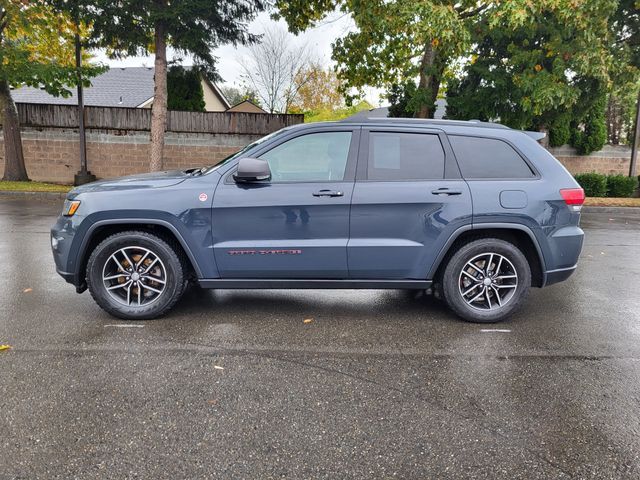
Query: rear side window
404	156
488	158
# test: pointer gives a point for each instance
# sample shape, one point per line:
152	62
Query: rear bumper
559	275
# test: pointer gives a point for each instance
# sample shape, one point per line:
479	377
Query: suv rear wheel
486	280
136	275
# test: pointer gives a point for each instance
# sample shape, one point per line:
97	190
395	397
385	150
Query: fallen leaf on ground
308	320
27	290
5	347
218	367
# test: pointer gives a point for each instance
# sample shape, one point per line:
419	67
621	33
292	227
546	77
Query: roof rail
425	121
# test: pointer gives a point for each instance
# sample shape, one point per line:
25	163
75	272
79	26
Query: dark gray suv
474	212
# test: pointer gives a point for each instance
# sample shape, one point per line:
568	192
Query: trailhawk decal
265	252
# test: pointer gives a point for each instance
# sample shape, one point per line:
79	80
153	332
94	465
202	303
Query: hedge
599	185
621	186
594	184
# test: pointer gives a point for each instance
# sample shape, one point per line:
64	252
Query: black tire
480	251
170	259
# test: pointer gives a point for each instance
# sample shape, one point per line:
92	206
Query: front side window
488	158
315	157
405	156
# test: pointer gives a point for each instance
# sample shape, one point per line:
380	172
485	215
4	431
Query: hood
142	180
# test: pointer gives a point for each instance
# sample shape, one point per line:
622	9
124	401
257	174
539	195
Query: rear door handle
328	193
446	191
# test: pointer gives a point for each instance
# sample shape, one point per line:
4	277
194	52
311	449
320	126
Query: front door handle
328	193
446	191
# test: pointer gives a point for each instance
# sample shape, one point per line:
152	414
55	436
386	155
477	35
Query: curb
618	210
49	195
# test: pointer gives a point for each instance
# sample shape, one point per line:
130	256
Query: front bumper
62	235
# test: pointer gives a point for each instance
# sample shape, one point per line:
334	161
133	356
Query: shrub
593	134
621	186
560	131
184	90
593	184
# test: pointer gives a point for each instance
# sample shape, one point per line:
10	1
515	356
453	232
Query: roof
218	92
117	87
247	106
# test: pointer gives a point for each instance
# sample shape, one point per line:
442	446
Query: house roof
218	92
117	87
247	106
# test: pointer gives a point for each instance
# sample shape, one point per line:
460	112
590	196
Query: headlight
70	207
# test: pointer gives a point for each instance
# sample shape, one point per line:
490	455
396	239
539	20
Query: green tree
326	114
235	95
398	41
190	27
184	89
547	73
625	71
36	49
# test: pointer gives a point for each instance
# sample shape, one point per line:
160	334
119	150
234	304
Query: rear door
297	224
408	199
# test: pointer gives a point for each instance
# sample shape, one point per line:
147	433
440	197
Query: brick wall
52	155
612	159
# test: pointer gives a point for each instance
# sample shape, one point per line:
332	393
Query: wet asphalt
380	384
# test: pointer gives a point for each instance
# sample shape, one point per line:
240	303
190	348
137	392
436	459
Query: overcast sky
319	39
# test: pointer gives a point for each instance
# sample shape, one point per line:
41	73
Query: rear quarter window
488	158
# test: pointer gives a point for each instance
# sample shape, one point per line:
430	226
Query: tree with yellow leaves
37	47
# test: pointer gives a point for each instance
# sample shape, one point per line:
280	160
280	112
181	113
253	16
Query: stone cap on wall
608	151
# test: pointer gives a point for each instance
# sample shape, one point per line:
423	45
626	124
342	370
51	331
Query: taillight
573	197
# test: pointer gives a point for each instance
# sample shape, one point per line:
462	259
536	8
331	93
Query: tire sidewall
174	275
467	252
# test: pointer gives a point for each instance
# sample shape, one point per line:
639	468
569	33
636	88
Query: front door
407	202
297	224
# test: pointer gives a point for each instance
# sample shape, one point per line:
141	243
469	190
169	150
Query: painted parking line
124	326
498	330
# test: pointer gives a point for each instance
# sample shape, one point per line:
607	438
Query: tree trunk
431	71
159	108
14	168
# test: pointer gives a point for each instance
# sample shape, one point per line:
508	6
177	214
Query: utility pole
84	175
636	141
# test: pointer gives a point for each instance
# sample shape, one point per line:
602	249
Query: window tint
405	156
488	158
310	158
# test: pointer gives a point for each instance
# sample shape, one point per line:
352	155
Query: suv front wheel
486	280
136	275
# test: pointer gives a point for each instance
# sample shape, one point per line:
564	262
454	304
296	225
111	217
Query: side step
257	283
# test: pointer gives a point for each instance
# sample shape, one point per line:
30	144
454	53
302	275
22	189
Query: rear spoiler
537	136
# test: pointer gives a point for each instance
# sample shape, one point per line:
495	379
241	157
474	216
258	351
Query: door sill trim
259	283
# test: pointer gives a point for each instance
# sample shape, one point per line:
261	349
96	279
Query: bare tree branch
274	69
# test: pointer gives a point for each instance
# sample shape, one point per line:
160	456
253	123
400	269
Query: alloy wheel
134	276
488	281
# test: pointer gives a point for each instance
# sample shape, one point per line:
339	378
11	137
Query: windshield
240	153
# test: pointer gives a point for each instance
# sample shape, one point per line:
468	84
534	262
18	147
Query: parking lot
235	384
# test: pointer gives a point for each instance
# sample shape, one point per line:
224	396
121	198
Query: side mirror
252	170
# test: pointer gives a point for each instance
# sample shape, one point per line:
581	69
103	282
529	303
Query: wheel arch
519	235
105	228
